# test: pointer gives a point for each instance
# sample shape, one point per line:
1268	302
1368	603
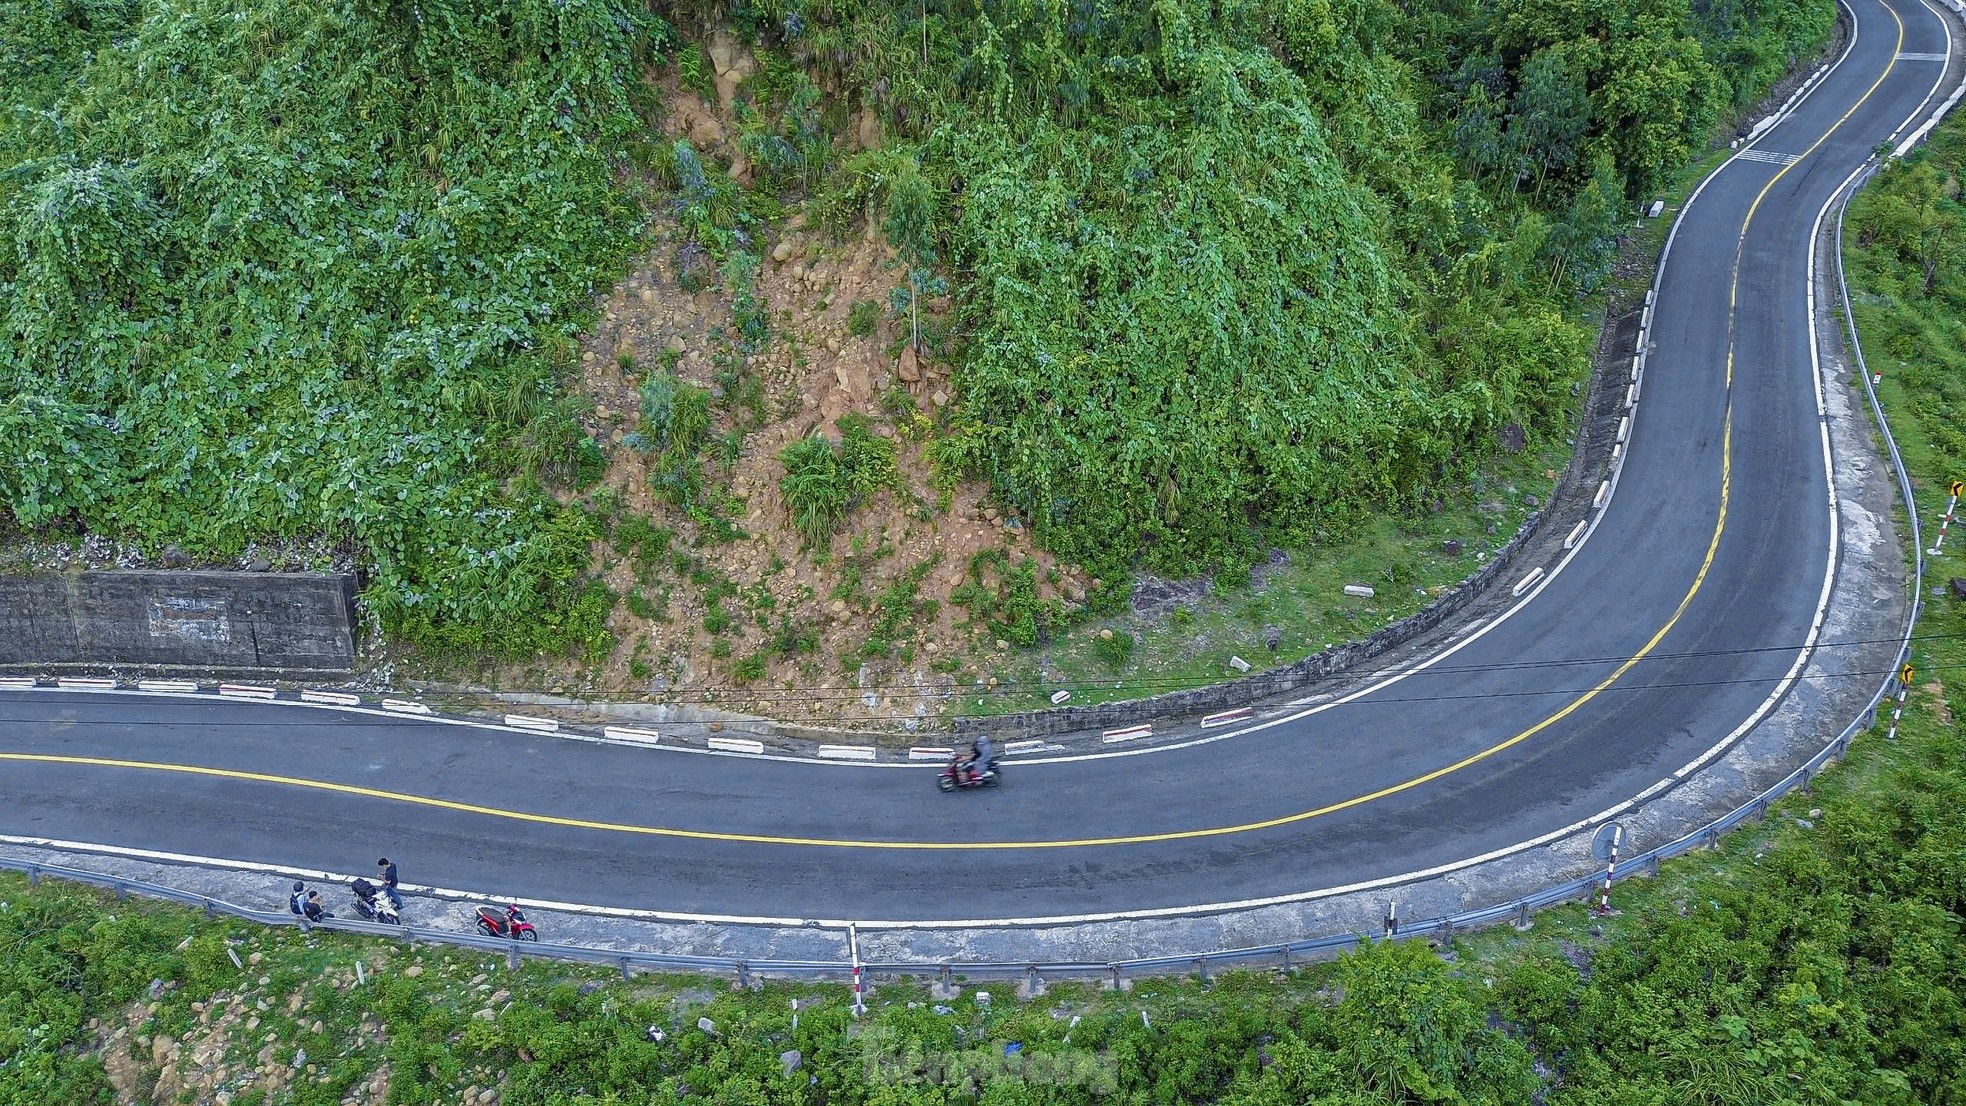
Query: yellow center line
1706	565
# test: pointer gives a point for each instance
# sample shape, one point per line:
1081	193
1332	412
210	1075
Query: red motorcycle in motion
961	773
509	923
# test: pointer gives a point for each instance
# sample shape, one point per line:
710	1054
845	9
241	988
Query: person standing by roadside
386	876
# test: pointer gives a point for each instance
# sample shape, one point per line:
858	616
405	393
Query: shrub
862	317
1115	650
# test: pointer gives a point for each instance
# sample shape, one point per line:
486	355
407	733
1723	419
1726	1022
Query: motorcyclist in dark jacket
982	756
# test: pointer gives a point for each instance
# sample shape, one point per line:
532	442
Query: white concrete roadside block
246	691
1603	490
1624	428
1657	209
929	752
736	745
1631	394
16	683
1650	295
405	706
528	722
81	683
1363	591
1125	733
846	752
332	698
1638	365
1575	533
1617	451
1058	697
1528	581
168	687
1225	717
1645	320
1019	748
1238	664
628	735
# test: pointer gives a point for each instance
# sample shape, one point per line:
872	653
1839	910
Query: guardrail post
1652	866
1285	951
743	976
1392	917
625	973
34	875
1201	969
1114	969
1713	838
1445	934
512	956
1522	915
212	912
122	892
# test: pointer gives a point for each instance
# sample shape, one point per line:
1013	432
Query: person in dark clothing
297	902
311	908
386	876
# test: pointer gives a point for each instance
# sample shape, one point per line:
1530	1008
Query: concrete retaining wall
233	620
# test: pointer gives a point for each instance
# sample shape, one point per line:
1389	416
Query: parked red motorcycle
511	923
960	774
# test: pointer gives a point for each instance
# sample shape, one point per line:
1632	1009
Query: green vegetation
289	270
1227	277
823	481
1246	275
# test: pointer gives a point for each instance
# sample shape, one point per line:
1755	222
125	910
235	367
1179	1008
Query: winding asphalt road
1679	619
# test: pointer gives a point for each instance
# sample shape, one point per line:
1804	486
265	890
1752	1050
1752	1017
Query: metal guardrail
1516	910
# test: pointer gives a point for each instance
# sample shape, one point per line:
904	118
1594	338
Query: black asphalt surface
1735	638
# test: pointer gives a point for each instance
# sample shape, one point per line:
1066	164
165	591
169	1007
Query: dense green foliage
1240	272
1908	238
1227	273
273	270
824	480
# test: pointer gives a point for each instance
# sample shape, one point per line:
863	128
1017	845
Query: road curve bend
1685	614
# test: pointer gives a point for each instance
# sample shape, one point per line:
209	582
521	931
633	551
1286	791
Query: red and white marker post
859	986
1898	711
1610	869
1951	506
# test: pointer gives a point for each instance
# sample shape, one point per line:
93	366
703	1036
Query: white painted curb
1125	733
1227	716
335	698
404	706
630	736
16	683
1528	581
847	752
528	722
169	687
736	745
85	684
246	691
929	752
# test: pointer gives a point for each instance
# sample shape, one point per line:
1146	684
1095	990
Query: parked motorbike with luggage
371	905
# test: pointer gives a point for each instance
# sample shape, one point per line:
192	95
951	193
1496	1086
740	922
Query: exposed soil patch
833	350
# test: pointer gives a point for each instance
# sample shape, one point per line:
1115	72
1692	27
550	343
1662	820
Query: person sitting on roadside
311	908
